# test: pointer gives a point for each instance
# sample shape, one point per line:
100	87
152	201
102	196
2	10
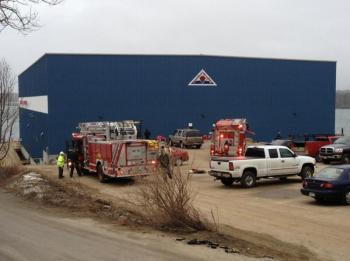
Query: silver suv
186	138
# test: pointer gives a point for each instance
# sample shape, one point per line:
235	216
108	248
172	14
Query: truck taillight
212	149
230	166
226	148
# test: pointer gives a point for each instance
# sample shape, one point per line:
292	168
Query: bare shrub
9	171
8	109
168	203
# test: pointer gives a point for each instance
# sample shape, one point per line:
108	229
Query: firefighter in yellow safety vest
60	164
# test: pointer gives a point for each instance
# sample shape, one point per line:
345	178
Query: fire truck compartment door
136	154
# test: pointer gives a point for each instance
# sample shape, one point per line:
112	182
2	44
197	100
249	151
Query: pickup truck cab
266	161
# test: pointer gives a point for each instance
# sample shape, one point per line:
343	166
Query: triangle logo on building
202	79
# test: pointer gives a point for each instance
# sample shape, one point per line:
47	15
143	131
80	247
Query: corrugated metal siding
33	125
34	133
274	95
33	81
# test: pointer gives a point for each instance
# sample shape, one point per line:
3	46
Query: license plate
311	194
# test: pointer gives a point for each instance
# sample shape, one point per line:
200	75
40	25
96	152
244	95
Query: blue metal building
169	91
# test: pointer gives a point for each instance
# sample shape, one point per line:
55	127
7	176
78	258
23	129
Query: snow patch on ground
31	185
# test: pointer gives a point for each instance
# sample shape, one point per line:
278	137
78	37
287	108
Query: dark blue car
332	183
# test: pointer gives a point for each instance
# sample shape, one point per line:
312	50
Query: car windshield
343	140
329	173
194	133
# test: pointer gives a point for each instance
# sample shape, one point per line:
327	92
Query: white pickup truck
261	162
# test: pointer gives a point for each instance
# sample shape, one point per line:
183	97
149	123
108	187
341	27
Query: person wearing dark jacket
164	162
147	134
74	162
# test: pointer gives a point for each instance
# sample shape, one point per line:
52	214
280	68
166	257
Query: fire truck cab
112	151
228	138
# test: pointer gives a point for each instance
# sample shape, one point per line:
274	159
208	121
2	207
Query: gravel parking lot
274	207
277	208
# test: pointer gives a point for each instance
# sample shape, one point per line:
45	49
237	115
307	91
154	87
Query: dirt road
28	234
274	207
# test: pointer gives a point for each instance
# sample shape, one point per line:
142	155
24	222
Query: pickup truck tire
198	146
306	172
227	182
248	179
325	161
101	176
346	159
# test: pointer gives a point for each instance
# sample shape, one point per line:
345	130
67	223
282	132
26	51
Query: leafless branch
19	15
8	109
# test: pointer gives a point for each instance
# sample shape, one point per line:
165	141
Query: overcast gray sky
297	29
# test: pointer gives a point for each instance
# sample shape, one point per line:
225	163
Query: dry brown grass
168	203
6	172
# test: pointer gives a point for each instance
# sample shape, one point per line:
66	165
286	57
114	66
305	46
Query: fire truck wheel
227	182
85	171
101	176
248	179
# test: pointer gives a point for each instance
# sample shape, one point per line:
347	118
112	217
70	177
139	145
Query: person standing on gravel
60	164
164	161
74	162
147	134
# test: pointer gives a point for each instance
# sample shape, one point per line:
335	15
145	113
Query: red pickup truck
312	147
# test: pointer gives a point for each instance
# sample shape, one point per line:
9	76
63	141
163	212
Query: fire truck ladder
111	130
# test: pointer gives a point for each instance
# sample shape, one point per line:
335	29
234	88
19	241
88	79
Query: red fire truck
228	138
112	151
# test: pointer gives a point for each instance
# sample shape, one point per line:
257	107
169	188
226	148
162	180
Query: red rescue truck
312	148
112	151
228	138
